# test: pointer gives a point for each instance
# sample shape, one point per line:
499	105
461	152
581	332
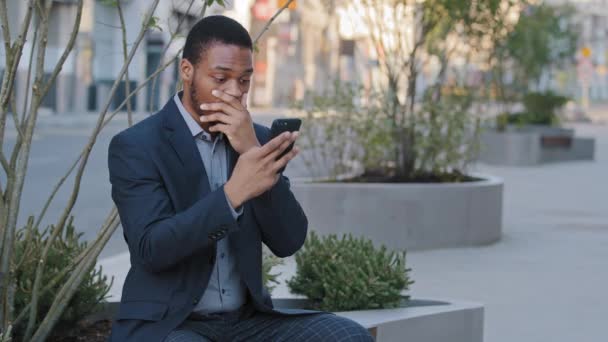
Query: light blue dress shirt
226	290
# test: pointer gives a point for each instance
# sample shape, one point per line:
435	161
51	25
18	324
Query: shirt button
223	255
223	291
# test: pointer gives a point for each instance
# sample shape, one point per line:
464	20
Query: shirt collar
194	127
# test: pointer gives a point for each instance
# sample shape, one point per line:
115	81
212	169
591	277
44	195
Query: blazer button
195	301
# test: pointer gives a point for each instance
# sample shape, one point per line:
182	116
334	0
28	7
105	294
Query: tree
405	34
544	37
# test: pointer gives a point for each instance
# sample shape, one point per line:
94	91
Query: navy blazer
172	221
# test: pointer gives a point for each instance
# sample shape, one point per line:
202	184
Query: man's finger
244	100
279	164
229	99
220	107
270	158
220	128
275	154
273	144
219	117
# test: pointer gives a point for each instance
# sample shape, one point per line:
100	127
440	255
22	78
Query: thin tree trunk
125	53
70	287
166	48
18	177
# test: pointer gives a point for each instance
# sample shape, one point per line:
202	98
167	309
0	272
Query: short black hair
211	30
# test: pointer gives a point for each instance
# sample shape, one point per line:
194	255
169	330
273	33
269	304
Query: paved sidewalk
546	280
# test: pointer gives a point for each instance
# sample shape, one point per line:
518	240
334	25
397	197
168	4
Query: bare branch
5	164
76	188
74	195
16	50
267	26
13	55
67	291
106	122
27	139
107	25
66	51
5	29
60	276
102	115
143	84
29	77
123	29
173	36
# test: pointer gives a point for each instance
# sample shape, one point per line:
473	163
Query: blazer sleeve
282	221
157	236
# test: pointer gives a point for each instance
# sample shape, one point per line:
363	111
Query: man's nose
232	88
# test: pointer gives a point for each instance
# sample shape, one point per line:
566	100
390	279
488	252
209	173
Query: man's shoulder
142	133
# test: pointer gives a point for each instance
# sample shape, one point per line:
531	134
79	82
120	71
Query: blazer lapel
183	144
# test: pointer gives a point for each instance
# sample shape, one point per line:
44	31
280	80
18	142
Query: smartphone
284	125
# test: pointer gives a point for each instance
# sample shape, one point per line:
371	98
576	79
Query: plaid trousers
249	325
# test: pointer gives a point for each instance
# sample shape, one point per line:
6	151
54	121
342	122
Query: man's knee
184	335
333	328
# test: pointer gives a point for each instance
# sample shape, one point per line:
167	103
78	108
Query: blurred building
308	47
84	83
588	78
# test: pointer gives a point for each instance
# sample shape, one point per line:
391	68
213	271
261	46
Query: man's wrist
254	143
235	197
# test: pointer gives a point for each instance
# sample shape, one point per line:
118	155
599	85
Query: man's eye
219	79
245	81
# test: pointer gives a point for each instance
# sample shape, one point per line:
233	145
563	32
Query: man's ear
186	70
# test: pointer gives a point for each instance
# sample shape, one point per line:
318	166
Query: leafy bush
539	109
351	130
63	252
349	274
446	135
342	129
268	262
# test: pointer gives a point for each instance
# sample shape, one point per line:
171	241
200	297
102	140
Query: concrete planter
533	145
413	216
419	320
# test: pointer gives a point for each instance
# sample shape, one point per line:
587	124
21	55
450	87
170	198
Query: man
197	190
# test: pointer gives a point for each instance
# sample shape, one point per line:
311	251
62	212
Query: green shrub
447	134
268	262
540	109
349	274
64	250
349	129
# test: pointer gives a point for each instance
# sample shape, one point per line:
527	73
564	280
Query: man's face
225	67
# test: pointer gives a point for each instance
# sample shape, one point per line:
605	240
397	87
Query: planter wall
533	145
412	216
420	321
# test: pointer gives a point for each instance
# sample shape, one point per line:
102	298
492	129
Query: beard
194	100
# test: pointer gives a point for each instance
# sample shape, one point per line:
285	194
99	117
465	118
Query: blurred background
496	110
308	47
